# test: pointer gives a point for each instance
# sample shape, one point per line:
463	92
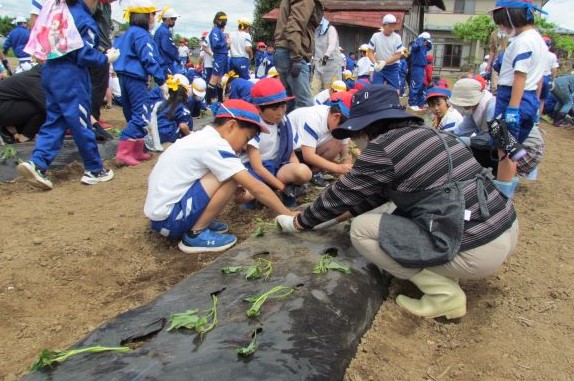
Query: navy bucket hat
370	104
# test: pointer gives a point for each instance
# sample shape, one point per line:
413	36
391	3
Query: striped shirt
408	160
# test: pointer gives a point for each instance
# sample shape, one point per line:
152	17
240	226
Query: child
238	88
323	98
195	103
218	45
315	146
520	73
173	117
428	81
66	107
348	79
549	76
403	71
365	67
197	175
270	58
418	56
271	157
260	63
445	117
385	49
138	61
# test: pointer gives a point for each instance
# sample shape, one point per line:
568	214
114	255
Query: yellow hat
226	77
167	13
243	21
272	72
339	85
139	6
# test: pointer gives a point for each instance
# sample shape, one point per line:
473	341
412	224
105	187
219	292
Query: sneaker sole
93	181
27	172
193	250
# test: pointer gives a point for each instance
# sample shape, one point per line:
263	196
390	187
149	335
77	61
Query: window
464	6
452	54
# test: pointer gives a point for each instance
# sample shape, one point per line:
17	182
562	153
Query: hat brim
262	128
199	93
354	125
462	102
274	101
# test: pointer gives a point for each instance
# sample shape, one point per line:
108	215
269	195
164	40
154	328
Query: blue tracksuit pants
135	95
417	88
389	75
67	106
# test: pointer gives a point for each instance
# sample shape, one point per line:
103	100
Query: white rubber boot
442	297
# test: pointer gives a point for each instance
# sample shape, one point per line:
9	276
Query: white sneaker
35	176
91	178
415	108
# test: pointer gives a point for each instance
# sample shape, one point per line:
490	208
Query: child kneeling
197	175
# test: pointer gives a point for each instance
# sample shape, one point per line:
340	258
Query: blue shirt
17	40
240	89
138	56
351	63
419	52
168	128
168	53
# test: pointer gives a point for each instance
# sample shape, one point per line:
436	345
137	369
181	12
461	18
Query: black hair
335	109
218	122
272	106
140	19
437	97
518	17
176	97
216	19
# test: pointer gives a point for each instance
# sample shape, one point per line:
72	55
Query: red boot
139	151
125	154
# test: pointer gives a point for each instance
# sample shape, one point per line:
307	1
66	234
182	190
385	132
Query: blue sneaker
251	205
206	241
218	227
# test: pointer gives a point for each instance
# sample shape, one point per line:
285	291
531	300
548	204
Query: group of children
253	148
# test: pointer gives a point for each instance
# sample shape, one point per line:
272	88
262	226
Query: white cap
466	92
19	20
389	19
364	47
347	74
169	13
338	86
425	35
198	87
486	57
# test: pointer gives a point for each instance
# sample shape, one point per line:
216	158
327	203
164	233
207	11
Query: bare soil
76	256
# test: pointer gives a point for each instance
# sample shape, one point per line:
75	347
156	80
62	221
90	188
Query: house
356	21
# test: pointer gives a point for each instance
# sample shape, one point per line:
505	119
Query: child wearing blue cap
521	71
445	117
197	175
271	157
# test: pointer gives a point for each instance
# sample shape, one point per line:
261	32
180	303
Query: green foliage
559	42
249	349
6	25
477	28
277	292
264	227
263	29
49	358
9	152
326	263
193	320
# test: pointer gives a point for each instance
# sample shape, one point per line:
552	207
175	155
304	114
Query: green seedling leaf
50	358
8	153
262	267
115	132
231	269
249	349
194	320
326	263
264	227
277	292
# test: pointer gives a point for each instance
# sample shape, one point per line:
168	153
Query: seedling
326	263
249	349
192	319
8	153
50	358
231	269
261	267
264	227
277	292
115	132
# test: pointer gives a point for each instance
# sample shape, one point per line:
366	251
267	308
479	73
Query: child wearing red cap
315	146
445	117
197	175
271	157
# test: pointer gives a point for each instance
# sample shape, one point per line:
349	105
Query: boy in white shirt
271	157
240	49
385	49
336	87
197	175
315	146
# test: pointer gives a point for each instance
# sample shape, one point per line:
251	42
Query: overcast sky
197	15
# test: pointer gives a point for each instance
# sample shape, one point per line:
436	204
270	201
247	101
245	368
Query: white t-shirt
182	51
364	66
182	164
238	40
207	59
450	120
267	144
552	63
527	53
322	97
385	46
310	126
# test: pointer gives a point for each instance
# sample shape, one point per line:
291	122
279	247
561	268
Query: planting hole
332	251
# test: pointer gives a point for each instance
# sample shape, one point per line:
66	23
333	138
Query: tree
477	28
263	29
559	42
6	25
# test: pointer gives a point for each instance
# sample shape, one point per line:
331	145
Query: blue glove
512	119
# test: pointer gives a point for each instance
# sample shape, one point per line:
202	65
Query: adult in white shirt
326	57
240	49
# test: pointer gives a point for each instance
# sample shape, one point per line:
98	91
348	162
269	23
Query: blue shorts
184	214
220	64
529	105
545	87
268	164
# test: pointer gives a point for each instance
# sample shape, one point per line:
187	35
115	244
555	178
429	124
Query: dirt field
76	256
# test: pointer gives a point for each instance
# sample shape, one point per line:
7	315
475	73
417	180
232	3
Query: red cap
242	110
268	91
204	34
261	44
343	99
